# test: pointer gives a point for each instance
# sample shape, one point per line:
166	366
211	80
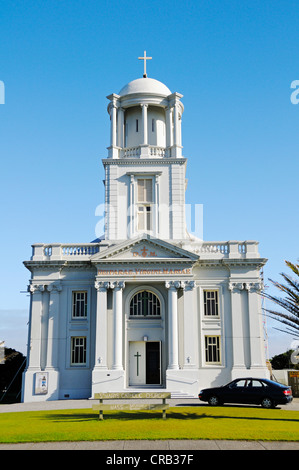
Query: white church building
147	306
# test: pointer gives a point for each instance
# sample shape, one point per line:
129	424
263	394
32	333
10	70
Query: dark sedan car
248	390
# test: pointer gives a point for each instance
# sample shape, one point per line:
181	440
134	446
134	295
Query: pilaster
34	347
236	289
101	325
53	326
257	355
173	347
117	287
190	339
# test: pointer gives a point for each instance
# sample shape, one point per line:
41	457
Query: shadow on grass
135	415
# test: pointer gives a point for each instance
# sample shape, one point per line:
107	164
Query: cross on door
137	355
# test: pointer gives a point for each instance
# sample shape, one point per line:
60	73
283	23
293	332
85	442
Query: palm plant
290	302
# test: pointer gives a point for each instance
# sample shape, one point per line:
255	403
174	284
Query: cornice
231	262
143	261
58	265
144	161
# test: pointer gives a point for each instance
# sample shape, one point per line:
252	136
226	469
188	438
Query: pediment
145	249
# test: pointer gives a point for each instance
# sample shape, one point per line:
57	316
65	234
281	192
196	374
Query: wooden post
101	417
164	409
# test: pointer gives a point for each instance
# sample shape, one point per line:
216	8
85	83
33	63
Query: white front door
137	363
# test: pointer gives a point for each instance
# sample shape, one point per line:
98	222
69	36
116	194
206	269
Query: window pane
148	218
80	304
141	225
212	346
78	351
145	190
211	303
145	304
140	190
148	190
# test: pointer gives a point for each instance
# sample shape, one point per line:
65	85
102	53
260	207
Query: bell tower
145	170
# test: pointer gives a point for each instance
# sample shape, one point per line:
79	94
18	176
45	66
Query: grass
202	422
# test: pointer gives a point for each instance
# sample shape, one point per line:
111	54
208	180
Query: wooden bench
131	406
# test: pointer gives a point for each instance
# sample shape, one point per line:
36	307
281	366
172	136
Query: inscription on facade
144	272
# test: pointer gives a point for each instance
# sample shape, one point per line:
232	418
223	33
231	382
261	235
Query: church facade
147	306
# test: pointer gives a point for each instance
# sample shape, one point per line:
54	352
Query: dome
145	85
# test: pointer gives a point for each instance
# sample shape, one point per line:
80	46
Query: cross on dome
145	59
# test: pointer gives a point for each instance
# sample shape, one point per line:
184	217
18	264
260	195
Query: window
136	125
239	384
211	303
80	304
212	346
145	304
153	125
78	350
144	204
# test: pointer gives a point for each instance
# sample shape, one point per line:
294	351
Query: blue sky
233	61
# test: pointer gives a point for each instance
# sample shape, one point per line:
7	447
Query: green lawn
202	422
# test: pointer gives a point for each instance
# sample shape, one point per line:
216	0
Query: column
173	346
101	325
144	124
120	127
34	346
53	326
117	287
190	355
156	219
257	356
237	325
113	149
131	225
113	125
176	125
168	129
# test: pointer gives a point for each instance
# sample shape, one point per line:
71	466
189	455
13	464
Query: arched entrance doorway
145	334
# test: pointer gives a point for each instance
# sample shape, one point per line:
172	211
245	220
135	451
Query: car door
234	392
253	391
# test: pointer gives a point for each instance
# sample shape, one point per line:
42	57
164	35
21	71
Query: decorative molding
235	286
254	286
36	288
187	285
117	285
249	286
172	284
140	161
101	285
54	287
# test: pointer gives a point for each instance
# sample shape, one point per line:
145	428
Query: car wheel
267	403
214	400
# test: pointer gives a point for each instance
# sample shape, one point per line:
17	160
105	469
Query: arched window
145	304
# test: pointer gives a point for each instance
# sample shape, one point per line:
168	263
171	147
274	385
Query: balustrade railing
135	152
205	250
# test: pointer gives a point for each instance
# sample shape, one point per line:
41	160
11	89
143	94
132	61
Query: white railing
130	152
135	152
79	250
58	251
157	151
215	247
230	249
205	250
